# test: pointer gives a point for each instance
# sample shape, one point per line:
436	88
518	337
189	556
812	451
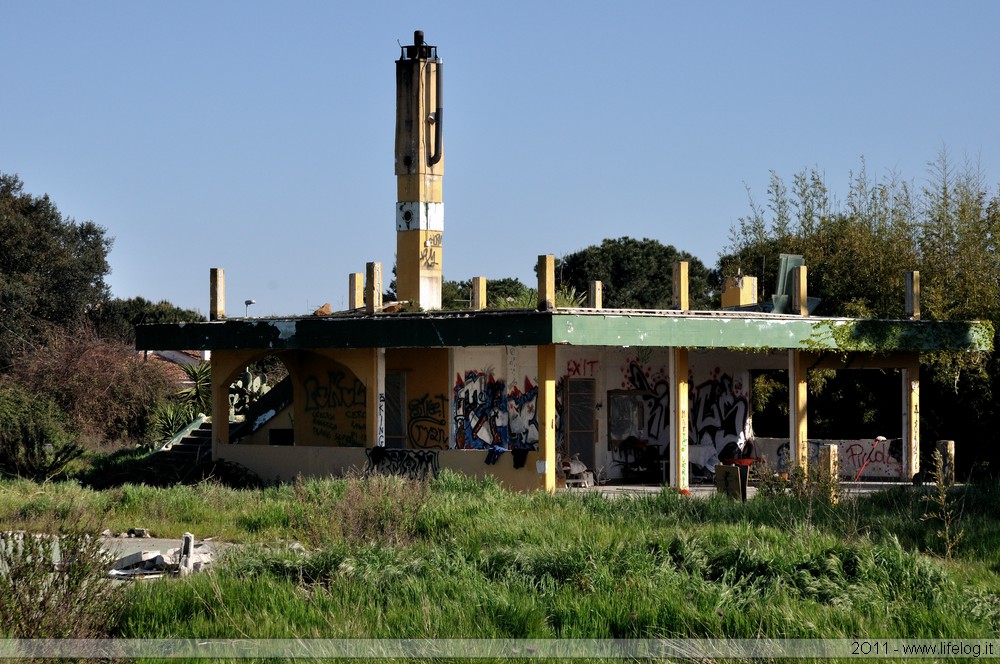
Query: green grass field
464	558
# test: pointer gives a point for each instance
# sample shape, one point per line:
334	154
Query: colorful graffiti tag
488	414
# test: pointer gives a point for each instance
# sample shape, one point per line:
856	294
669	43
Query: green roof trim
573	327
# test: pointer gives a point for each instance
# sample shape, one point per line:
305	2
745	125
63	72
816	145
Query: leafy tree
34	440
117	318
858	254
636	274
52	268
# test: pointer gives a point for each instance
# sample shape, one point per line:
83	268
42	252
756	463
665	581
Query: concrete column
546	283
798	428
373	288
376	395
546	412
478	293
800	291
910	376
217	294
355	291
419	167
947	451
679	432
220	408
829	468
913	295
681	286
595	295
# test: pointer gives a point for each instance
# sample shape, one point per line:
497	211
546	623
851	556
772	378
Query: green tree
858	254
636	274
116	318
52	268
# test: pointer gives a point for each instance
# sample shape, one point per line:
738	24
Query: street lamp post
247	303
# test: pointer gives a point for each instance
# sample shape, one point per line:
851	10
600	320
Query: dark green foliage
52	268
34	441
636	274
116	319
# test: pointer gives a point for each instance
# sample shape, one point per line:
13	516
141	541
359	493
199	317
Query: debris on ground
183	561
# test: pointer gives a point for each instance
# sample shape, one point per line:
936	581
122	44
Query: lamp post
247	303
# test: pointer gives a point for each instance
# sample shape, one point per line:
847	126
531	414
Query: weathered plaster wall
881	461
426	371
330	397
284	463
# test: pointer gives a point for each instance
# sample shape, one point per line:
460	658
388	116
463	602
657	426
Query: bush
107	392
34	442
54	586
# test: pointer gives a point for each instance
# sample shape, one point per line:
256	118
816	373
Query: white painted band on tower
419	216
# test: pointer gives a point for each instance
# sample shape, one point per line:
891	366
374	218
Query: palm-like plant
198	397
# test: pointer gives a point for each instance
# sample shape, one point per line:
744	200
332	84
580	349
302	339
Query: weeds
943	507
54	586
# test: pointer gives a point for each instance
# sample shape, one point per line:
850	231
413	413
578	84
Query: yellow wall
427	387
284	463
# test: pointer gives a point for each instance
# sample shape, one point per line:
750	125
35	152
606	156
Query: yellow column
679	435
220	406
681	287
375	395
798	429
546	413
373	288
800	291
595	295
217	294
355	291
478	293
546	282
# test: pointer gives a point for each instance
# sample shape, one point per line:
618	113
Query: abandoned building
634	395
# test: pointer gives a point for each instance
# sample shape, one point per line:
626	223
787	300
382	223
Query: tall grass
457	557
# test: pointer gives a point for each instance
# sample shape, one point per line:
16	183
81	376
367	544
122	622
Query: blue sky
258	137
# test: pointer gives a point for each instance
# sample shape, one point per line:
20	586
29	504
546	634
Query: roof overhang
576	327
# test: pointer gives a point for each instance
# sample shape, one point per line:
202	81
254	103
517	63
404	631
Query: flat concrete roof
575	327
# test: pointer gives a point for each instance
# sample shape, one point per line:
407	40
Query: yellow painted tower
419	171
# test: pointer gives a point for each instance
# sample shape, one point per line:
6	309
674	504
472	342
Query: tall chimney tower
419	171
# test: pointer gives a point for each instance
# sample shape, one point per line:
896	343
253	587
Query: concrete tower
419	171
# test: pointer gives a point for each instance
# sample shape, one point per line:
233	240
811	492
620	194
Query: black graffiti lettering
414	464
338	391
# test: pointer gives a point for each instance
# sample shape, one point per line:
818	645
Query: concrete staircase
194	446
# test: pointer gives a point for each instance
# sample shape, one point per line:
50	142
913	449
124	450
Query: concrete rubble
183	561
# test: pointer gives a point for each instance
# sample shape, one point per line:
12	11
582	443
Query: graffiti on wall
638	375
336	405
414	464
581	368
431	250
878	461
426	425
720	412
487	413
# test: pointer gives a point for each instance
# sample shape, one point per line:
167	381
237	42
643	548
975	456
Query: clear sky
258	136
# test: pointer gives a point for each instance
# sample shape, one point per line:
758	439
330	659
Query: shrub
54	586
106	390
34	442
